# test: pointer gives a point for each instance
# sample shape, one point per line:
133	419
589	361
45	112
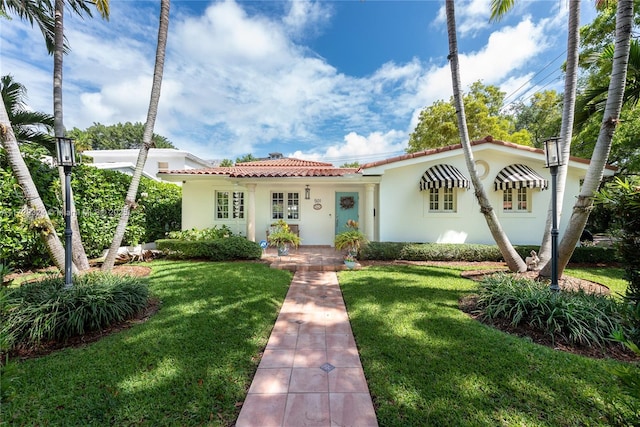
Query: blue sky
337	81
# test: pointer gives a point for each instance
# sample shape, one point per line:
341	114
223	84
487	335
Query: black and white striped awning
446	176
519	176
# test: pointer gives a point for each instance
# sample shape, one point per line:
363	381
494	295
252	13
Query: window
515	200
229	204
285	205
163	166
442	200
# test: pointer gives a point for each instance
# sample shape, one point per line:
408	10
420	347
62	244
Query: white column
251	213
368	211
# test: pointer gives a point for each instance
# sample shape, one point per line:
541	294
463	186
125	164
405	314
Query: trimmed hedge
388	251
225	249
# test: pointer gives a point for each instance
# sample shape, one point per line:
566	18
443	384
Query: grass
427	363
611	277
189	364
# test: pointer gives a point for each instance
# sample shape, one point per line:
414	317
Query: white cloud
235	81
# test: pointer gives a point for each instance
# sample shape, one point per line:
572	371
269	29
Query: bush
577	317
99	196
201	234
383	251
46	310
450	252
225	249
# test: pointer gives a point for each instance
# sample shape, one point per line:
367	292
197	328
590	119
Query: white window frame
443	200
285	205
516	200
232	206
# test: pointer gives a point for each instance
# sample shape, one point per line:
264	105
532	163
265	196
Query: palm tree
147	142
498	9
28	126
513	260
79	7
37	11
615	98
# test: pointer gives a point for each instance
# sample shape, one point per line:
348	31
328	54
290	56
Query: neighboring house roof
486	140
153	152
124	167
271	168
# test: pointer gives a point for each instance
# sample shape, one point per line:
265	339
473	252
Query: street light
67	159
553	159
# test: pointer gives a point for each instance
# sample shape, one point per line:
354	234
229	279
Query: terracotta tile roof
272	168
486	140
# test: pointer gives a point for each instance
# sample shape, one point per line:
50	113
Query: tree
541	117
246	158
595	171
147	142
354	165
226	163
79	7
498	9
29	127
511	257
37	11
38	216
437	126
115	137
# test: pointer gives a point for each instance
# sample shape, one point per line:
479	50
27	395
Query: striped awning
519	176
446	176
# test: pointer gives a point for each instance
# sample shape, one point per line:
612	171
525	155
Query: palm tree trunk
79	255
129	202
566	131
593	178
38	216
511	257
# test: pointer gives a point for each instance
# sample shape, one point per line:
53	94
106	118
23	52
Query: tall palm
147	142
79	7
28	126
38	11
498	9
513	260
595	171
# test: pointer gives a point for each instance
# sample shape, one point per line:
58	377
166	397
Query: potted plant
351	240
350	261
282	237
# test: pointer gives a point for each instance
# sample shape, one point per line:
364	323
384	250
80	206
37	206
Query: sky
334	81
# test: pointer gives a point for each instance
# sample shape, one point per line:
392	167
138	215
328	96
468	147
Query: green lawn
427	363
611	277
189	364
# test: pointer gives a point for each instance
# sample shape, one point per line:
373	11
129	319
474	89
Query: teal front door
346	209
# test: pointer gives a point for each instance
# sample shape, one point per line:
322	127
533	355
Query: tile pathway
310	373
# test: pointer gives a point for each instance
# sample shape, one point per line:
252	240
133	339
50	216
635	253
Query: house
419	197
158	160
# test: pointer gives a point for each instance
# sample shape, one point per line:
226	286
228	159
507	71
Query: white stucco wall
404	210
317	226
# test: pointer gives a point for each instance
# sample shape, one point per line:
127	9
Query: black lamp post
67	159
553	159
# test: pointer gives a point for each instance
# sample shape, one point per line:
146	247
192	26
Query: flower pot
283	250
350	264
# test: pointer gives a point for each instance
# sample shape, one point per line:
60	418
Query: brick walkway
310	373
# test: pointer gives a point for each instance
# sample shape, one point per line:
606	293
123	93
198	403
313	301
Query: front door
346	209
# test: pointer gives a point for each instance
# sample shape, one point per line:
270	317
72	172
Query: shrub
99	196
46	310
577	317
383	251
450	252
195	234
225	249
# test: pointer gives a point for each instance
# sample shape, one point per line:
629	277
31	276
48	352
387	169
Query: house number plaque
317	204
